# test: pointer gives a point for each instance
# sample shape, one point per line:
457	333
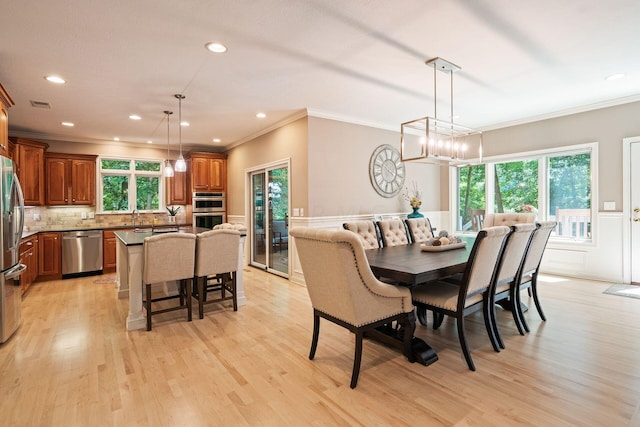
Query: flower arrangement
173	210
414	197
526	209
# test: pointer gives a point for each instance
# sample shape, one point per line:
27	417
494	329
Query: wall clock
386	171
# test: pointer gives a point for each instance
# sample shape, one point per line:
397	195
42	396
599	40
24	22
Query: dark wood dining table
410	265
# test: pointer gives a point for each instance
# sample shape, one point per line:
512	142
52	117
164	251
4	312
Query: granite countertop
134	238
54	229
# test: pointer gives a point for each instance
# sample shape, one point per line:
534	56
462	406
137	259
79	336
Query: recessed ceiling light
135	117
149	142
261	115
615	76
116	139
55	79
216	47
216	140
68	124
183	123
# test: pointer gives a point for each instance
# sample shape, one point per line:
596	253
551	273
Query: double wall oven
209	209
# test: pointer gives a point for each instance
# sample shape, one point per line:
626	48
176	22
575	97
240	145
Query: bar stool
216	266
169	257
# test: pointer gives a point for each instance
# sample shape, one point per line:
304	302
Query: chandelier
436	141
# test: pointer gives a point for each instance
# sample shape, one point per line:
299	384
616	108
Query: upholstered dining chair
508	219
392	232
216	265
509	271
367	232
168	257
473	293
531	268
477	219
419	229
344	291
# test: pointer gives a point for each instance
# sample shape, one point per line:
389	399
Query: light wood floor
73	364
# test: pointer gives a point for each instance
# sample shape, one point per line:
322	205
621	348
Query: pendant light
168	170
181	165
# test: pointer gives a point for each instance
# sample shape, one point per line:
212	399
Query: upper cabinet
70	179
208	171
5	104
177	189
29	159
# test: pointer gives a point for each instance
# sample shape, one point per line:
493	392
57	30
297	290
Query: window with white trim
127	184
554	184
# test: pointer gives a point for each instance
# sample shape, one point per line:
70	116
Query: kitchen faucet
133	217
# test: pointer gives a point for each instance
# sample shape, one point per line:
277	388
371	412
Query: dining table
130	263
410	265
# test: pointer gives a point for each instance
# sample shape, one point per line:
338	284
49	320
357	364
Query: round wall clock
386	171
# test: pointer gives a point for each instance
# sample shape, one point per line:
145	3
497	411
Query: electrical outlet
83	215
92	215
36	217
609	206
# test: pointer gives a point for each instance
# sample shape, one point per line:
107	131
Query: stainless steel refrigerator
12	210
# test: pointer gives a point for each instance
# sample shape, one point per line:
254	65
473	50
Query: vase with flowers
415	201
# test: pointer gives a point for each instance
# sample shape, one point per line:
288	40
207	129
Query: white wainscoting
598	260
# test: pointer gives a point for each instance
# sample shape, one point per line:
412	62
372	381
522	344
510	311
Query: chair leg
234	287
187	285
202	284
534	291
421	314
437	319
488	312
148	304
515	308
463	343
357	359
518	306
314	340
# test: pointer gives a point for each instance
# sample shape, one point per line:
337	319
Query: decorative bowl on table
443	242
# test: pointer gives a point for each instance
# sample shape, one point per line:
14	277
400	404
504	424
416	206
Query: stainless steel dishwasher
81	253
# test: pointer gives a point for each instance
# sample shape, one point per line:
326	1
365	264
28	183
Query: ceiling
359	60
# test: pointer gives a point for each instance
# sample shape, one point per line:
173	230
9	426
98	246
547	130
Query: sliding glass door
270	219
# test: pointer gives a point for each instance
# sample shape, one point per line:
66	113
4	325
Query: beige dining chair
216	265
168	257
477	219
473	293
531	268
367	232
392	232
508	219
419	229
344	291
509	271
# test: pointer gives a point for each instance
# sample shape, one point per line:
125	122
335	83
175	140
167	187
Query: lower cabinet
109	247
29	257
50	259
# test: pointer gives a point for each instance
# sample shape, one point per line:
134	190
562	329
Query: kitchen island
129	263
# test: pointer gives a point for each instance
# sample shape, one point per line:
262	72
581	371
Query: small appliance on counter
11	225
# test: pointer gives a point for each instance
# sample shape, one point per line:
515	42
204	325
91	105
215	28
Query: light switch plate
83	215
296	212
609	206
92	215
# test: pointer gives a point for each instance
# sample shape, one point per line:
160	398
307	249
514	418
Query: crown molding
289	119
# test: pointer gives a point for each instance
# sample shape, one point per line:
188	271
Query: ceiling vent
40	104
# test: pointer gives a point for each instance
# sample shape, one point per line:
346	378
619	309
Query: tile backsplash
43	218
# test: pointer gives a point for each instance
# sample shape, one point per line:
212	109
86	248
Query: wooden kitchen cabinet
109	248
29	158
29	257
70	179
50	255
208	171
5	103
177	186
